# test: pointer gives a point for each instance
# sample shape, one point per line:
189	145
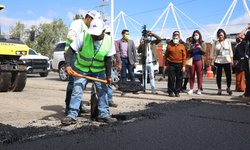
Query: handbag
189	61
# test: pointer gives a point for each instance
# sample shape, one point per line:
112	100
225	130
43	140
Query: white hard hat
96	27
94	14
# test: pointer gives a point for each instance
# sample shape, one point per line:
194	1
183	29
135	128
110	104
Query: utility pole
1	7
103	5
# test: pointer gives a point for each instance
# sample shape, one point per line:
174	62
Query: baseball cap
96	27
94	14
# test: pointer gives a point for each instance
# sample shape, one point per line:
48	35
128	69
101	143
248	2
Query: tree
78	16
17	31
47	35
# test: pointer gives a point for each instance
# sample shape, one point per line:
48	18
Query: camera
144	32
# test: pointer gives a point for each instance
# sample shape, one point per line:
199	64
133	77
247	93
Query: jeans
78	89
126	65
70	85
150	72
227	70
110	89
174	78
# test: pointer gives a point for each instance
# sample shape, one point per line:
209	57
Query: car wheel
44	74
62	74
116	75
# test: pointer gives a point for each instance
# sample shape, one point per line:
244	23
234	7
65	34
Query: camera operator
149	57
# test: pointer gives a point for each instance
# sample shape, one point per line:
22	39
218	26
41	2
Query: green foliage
78	16
46	35
17	31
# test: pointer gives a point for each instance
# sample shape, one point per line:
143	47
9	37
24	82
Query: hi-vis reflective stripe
90	59
97	67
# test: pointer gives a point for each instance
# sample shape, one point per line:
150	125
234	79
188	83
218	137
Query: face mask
196	37
149	38
176	41
126	37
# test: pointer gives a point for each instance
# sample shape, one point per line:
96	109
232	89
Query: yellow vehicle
12	70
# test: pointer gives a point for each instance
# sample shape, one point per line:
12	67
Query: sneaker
229	91
107	119
190	92
199	92
177	94
83	109
183	89
219	92
112	104
171	94
68	121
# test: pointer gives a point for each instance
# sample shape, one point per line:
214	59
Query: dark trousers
174	78
227	70
126	65
247	78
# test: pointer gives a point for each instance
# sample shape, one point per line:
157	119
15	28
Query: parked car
36	63
58	61
138	71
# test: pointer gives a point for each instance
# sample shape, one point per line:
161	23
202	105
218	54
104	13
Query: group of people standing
91	51
221	57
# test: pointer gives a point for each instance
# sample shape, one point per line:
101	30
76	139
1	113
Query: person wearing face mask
175	61
94	50
126	56
222	57
197	50
149	57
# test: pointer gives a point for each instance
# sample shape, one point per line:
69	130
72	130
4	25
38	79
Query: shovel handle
73	73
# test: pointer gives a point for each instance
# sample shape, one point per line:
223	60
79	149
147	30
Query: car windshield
32	52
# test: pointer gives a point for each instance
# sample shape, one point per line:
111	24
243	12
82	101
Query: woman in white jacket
222	57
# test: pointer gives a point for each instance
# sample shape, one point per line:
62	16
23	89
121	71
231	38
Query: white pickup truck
36	63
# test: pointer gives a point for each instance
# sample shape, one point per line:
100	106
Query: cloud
7	22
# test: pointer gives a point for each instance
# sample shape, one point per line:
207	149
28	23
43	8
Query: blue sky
207	13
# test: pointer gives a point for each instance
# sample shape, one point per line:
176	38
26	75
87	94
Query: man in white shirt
150	57
93	50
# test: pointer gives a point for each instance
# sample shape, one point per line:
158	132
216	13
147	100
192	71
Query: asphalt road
189	122
181	125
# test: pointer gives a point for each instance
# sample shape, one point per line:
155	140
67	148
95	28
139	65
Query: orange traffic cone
210	73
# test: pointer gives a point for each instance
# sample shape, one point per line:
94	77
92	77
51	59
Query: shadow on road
58	109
